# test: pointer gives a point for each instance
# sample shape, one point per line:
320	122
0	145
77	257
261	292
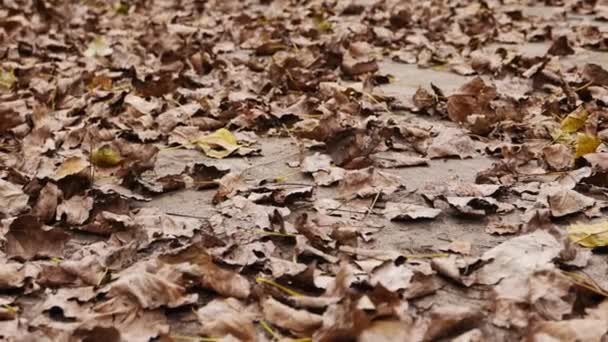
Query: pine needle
426	256
269	330
272	233
261	280
194	338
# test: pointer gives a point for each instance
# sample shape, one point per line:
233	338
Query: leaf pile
109	108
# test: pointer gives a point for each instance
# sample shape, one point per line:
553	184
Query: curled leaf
219	144
589	235
105	156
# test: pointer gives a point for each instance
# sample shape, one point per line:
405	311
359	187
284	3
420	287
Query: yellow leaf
575	120
561	137
589	235
322	24
71	166
98	47
105	156
585	143
121	8
7	79
218	144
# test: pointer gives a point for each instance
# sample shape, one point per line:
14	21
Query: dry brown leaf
300	322
47	203
568	202
27	238
367	182
12	198
125	316
151	290
516	257
75	210
558	157
404	211
225	317
195	263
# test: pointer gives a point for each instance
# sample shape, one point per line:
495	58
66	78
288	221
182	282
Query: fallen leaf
12	199
516	257
106	156
367	182
457	246
46	204
474	206
451	143
472	98
396	159
405	211
298	321
392	277
27	239
194	262
75	210
158	226
559	157
589	235
219	144
568	202
560	47
126	316
386	331
140	104
575	121
445	319
585	143
227	317
572	330
316	162
151	290
12	275
98	47
547	292
71	166
7	79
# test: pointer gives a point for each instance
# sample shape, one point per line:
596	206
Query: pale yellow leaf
589	235
98	47
7	79
218	144
71	166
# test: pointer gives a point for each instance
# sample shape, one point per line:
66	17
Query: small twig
269	162
371	207
188	216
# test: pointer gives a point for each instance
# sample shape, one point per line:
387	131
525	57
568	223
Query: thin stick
371	207
188	216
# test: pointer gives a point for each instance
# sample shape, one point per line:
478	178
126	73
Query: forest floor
290	170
